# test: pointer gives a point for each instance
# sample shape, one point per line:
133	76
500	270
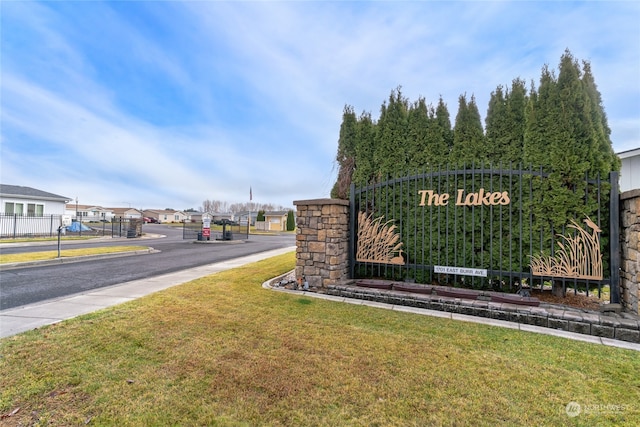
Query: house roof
122	211
18	191
276	213
629	153
72	206
164	211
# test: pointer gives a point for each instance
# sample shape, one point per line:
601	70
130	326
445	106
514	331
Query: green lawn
223	351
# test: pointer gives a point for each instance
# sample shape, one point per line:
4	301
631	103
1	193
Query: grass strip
223	351
46	239
65	253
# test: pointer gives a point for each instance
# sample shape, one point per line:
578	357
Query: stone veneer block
466	309
580	327
517	317
538	320
481	312
610	321
627	335
558	324
602	331
500	315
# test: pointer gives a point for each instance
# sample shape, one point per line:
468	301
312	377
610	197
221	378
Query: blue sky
167	104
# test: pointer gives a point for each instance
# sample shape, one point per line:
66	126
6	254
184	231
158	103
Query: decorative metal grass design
578	257
378	242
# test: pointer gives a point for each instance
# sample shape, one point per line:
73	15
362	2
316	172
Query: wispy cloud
168	104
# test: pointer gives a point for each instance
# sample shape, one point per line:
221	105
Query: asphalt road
20	286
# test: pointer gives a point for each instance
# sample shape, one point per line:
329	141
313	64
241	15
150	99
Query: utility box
65	221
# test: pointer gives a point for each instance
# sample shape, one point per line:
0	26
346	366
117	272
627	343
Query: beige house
275	221
166	216
126	213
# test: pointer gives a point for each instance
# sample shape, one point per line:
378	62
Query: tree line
560	125
219	206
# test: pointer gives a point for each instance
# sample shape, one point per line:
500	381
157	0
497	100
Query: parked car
150	220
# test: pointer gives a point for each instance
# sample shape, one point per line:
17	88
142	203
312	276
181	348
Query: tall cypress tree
346	153
497	126
516	106
541	120
444	140
365	170
391	135
291	222
605	159
468	135
417	145
505	123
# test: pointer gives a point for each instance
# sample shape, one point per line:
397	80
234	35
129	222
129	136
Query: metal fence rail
19	227
492	222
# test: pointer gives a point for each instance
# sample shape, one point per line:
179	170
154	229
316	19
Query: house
89	213
127	213
166	216
27	201
28	211
630	170
275	220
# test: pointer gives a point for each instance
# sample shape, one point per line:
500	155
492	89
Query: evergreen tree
497	125
468	136
505	123
291	222
418	135
390	154
566	132
346	154
443	143
541	120
365	170
605	159
516	109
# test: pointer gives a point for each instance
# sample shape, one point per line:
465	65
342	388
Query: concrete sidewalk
20	319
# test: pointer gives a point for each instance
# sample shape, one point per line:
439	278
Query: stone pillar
630	247
322	241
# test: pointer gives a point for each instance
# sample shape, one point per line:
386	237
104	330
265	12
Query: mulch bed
582	301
